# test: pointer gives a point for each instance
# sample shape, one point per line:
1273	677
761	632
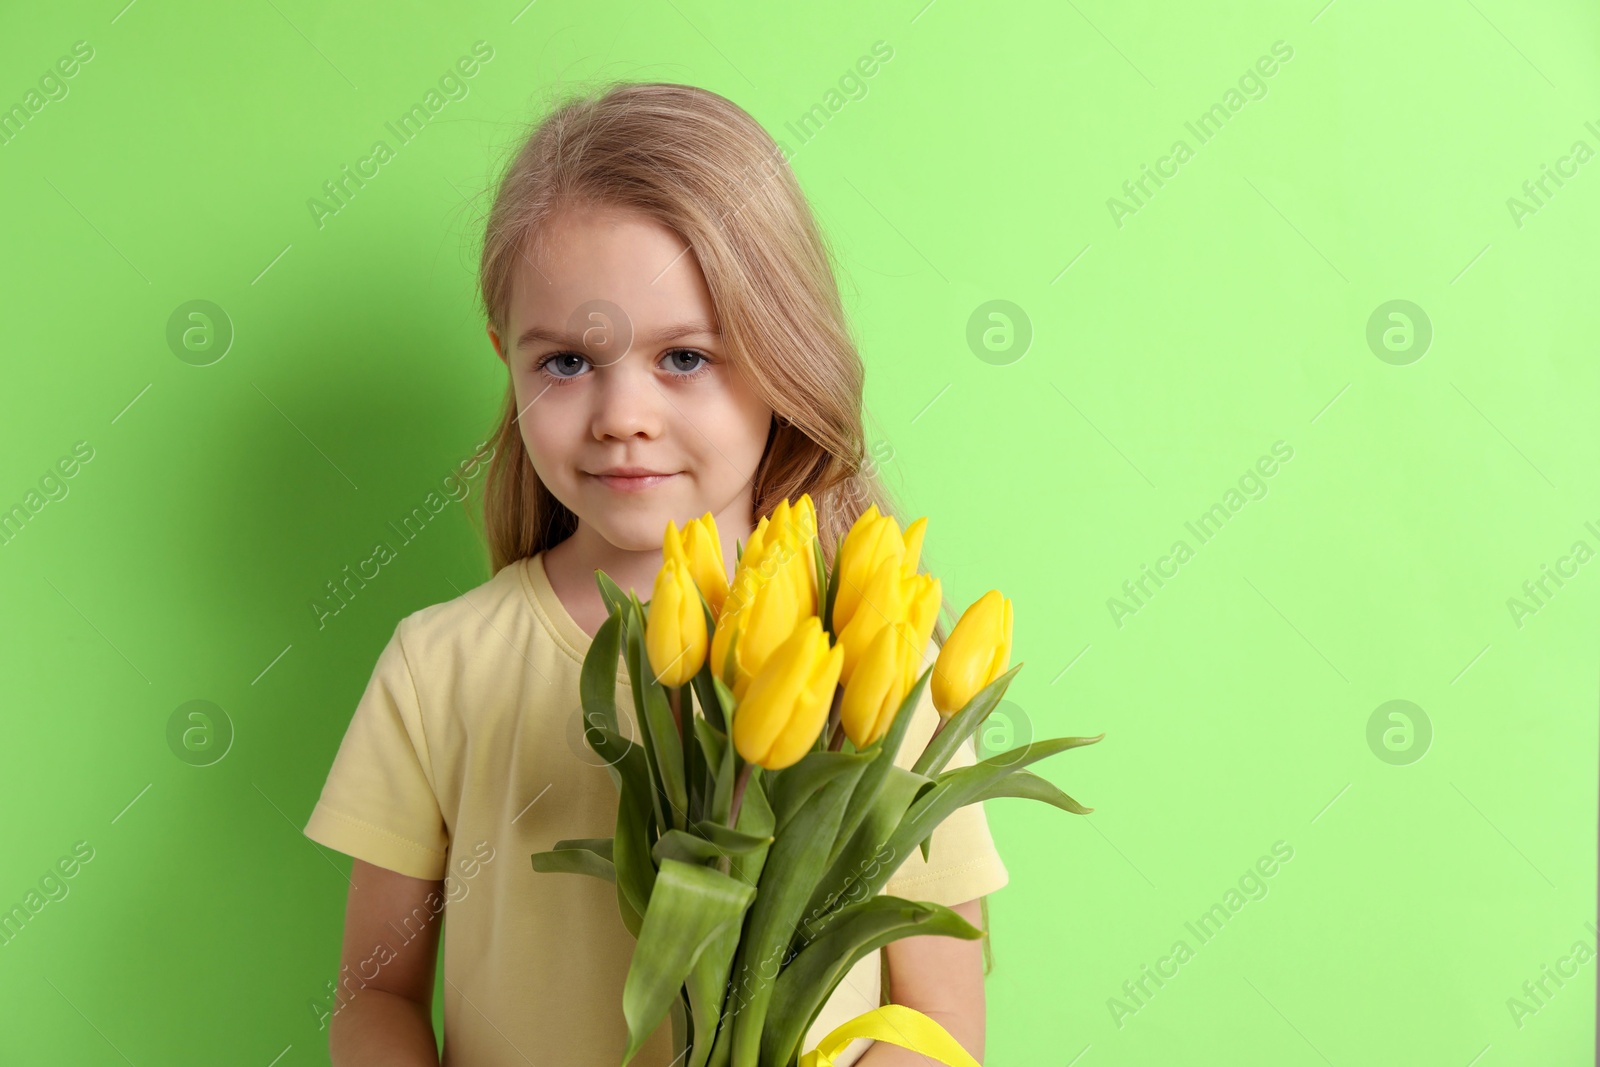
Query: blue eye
554	365
688	371
558	357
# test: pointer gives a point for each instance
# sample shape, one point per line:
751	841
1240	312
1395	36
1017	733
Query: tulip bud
882	604
701	552
913	542
878	686
977	652
762	609
923	600
788	701
871	539
675	630
773	588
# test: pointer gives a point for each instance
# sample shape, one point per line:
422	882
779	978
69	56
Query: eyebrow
668	333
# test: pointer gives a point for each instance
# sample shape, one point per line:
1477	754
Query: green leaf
712	741
663	746
826	615
689	907
793	786
725	702
868	847
633	655
597	684
636	871
733	841
708	983
884	751
668	746
600	846
681	1031
616	600
710	705
706	986
713	751
692	772
701	846
808	808
755	820
612	747
1032	787
961	724
579	856
952	789
819	567
811	977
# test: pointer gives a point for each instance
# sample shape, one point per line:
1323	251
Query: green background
1170	349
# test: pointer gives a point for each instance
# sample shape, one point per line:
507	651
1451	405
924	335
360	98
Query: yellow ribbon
898	1025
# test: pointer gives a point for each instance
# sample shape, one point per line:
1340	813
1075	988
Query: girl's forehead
643	270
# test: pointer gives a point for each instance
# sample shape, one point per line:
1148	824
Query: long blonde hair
702	166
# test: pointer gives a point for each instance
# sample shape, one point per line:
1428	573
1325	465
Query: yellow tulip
787	705
883	603
872	539
701	551
913	541
875	691
923	600
675	631
977	652
798	521
773	589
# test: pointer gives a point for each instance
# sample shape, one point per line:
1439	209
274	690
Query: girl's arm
384	1002
942	977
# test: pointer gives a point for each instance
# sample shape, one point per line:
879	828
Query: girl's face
616	362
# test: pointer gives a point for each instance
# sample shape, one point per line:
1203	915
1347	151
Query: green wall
1348	324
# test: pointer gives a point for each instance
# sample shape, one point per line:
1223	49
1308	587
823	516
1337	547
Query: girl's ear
494	339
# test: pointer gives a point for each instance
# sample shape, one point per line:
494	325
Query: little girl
667	313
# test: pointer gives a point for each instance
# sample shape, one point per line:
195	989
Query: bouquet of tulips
761	810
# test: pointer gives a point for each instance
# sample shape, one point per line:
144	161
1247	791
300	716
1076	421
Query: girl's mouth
632	484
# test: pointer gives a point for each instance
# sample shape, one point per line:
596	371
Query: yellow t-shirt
465	756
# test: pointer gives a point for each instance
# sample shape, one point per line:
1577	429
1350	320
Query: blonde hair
700	165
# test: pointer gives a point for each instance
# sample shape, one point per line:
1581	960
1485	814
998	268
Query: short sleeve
962	862
378	803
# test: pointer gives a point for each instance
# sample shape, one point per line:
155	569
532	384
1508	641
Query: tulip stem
674	697
838	738
936	729
738	794
834	723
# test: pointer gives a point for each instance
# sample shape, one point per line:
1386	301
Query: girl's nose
628	401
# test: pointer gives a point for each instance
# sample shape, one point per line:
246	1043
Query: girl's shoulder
468	626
